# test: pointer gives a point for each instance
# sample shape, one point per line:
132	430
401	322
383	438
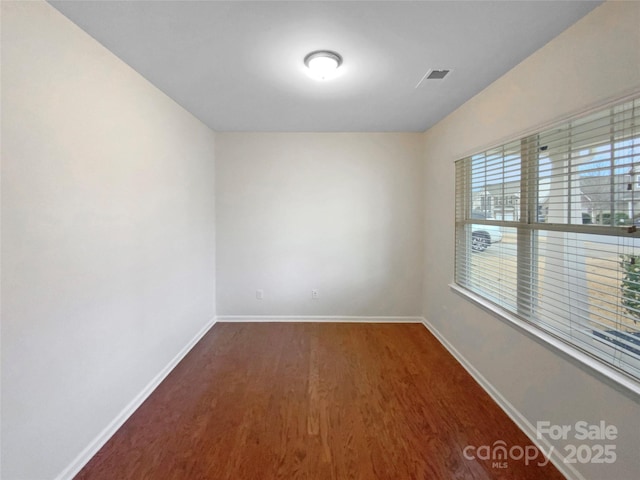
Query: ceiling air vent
436	74
433	74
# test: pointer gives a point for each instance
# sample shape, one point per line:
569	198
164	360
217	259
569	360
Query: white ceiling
238	66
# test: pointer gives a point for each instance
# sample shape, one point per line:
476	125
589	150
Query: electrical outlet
315	294
259	294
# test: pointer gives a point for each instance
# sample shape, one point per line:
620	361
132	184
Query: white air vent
433	74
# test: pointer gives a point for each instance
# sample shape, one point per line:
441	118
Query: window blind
548	228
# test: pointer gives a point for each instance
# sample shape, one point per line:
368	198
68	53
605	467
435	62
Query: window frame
527	252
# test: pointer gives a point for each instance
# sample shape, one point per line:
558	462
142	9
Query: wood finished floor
261	401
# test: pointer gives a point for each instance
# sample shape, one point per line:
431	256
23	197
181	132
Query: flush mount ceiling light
323	64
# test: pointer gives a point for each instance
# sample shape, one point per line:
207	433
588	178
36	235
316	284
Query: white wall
596	59
341	213
107	237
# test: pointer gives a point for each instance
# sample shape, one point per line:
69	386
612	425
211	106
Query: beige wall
107	237
595	60
337	212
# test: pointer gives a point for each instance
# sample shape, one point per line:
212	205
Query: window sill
610	374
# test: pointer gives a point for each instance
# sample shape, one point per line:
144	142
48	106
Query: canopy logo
582	442
500	455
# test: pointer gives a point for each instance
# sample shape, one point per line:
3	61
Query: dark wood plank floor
314	401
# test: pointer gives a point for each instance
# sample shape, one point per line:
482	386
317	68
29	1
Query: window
548	230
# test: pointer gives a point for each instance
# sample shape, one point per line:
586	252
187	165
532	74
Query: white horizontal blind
548	228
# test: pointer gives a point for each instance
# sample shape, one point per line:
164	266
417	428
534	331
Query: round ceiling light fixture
323	64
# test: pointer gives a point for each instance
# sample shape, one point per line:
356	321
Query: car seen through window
482	236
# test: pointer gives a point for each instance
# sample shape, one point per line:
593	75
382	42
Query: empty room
320	240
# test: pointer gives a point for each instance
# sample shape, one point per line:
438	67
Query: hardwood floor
314	401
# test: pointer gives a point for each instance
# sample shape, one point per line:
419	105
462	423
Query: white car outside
483	235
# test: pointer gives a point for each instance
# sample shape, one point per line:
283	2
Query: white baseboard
520	420
317	318
83	458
